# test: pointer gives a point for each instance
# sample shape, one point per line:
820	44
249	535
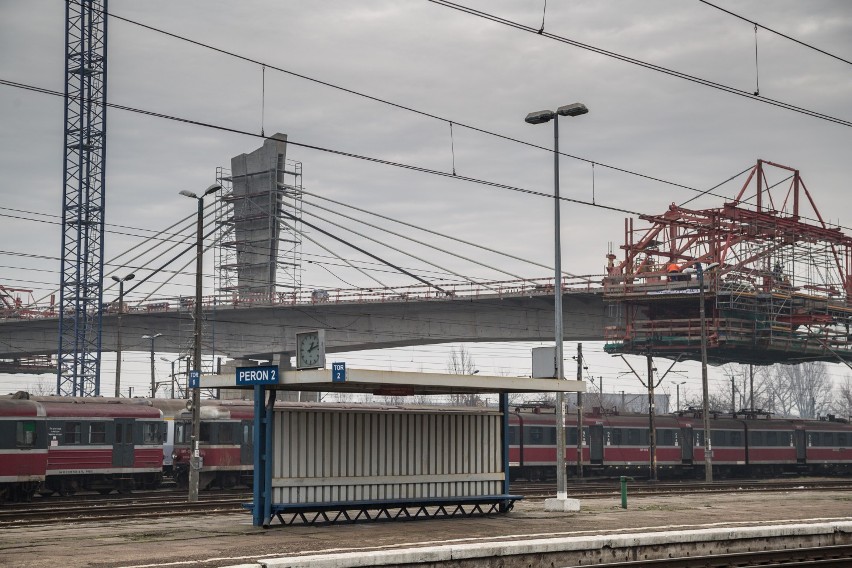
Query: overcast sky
445	63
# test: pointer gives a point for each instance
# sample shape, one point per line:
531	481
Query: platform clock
310	349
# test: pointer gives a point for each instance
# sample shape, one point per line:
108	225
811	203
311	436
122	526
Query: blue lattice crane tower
81	289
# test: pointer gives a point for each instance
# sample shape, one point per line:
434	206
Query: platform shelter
348	462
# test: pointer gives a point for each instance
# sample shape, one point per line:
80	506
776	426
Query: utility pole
733	395
153	378
751	387
579	413
651	419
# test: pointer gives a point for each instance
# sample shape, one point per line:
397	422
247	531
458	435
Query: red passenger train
63	447
742	446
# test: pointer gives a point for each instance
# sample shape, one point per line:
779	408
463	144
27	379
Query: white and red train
57	447
614	445
62	445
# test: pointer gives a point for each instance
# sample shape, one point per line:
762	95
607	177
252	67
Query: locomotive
744	445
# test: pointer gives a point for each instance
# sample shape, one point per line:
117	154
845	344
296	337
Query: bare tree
810	388
461	363
843	403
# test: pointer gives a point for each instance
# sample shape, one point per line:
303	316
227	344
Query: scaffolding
258	251
776	279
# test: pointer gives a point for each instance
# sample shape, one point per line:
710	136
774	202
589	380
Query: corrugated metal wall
349	455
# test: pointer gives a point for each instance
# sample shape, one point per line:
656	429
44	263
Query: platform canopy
400	383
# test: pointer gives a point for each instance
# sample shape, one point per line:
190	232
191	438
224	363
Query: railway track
645	488
94	507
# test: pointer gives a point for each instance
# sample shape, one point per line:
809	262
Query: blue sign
265	375
194	379
338	372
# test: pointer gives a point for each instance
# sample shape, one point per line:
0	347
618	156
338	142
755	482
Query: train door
596	440
801	446
247	447
122	446
687	444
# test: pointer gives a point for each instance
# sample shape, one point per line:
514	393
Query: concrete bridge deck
510	311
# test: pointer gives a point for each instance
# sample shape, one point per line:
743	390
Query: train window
205	432
772	438
536	435
570	436
248	432
513	435
71	433
633	437
151	433
97	433
226	434
736	439
841	439
827	438
182	432
616	436
755	438
666	437
26	434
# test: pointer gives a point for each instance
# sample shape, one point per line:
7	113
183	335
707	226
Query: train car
23	449
824	446
615	445
226	445
102	447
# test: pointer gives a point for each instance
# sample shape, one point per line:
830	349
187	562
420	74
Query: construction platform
651	526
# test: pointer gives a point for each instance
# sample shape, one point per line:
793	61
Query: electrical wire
776	32
644	64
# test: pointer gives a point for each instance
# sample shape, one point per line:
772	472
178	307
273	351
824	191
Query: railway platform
652	526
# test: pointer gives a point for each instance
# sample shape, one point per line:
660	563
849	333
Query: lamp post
540	117
708	447
121	282
677	386
153	380
195	456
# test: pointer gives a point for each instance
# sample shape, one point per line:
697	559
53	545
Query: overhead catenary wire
394	104
776	32
644	64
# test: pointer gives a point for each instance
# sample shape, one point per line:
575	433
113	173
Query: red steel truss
776	276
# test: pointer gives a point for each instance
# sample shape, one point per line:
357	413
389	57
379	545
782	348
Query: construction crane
81	287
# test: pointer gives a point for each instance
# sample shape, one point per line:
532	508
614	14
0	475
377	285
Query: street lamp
121	282
540	117
677	386
195	456
153	380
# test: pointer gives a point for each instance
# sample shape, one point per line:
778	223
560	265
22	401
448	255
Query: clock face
309	350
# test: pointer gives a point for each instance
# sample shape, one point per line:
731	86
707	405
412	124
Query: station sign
338	372
194	379
262	375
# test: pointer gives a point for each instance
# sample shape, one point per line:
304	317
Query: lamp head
188	193
574	109
211	189
116	278
129	277
712	265
540	117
